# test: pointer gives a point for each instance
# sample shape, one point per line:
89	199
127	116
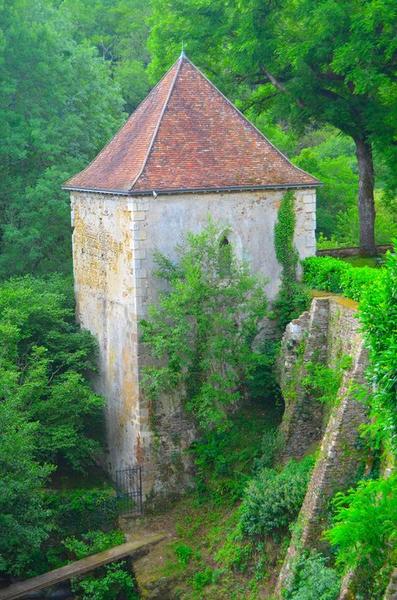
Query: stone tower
185	153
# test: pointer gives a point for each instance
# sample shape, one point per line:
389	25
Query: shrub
378	314
45	361
365	524
115	583
313	580
110	583
25	521
339	277
323	382
82	510
92	542
356	280
184	553
224	461
273	499
205	577
324	273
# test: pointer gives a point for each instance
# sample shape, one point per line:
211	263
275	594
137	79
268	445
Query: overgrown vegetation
292	298
51	423
340	277
365	521
203	328
273	499
314	579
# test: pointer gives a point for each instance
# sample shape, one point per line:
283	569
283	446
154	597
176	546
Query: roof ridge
65	185
246	120
150	147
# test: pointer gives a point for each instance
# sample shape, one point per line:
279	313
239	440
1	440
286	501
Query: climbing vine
284	230
292	298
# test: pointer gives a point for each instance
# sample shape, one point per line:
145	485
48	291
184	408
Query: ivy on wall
292	299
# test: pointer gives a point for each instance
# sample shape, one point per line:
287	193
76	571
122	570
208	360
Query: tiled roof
187	136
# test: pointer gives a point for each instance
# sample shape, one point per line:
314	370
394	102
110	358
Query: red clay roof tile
187	136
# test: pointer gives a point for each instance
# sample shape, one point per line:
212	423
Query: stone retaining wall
332	328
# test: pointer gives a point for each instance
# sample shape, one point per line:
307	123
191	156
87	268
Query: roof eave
203	190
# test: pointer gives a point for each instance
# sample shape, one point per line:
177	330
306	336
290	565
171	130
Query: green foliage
118	29
115	583
111	582
298	60
184	553
323	382
203	328
333	162
24	518
364	530
262	382
313	580
79	510
44	364
378	314
365	521
337	276
273	499
92	542
346	225
224	460
203	578
59	106
48	415
284	230
292	299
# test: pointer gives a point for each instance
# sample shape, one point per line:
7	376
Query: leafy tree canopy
313	61
58	107
44	361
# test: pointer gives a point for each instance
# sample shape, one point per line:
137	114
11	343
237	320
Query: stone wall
114	241
340	454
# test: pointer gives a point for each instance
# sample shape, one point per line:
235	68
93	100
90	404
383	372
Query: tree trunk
366	205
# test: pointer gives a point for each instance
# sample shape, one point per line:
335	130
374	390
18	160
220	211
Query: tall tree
58	106
322	61
119	30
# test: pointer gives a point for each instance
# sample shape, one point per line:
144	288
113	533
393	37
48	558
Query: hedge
335	275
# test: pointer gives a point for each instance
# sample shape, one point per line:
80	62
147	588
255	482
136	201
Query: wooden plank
77	568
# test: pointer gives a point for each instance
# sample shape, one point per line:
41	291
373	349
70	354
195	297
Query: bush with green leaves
273	498
224	461
80	510
366	517
44	364
313	579
49	414
378	315
292	298
365	524
24	518
337	276
202	329
113	581
324	273
323	382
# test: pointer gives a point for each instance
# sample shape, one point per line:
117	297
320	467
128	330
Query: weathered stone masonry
114	240
331	327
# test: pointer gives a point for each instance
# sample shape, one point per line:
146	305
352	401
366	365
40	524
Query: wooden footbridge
78	568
